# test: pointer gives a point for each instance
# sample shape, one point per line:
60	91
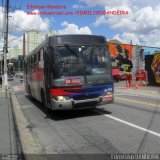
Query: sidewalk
8	137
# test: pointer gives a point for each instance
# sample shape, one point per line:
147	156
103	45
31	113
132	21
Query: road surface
130	125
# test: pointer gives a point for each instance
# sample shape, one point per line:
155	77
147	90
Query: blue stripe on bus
89	90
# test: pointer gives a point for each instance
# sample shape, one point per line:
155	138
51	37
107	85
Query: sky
140	26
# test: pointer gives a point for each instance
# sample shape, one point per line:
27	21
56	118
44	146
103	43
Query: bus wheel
47	110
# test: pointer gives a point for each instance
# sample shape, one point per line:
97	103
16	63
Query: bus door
48	53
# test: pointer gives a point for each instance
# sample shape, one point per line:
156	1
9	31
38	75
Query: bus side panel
40	80
37	83
34	78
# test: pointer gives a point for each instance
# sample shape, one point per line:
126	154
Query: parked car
141	74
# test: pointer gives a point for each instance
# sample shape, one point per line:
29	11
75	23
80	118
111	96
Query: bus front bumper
82	104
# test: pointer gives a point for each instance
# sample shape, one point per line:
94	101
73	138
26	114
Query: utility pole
1	58
24	50
5	49
1	64
24	45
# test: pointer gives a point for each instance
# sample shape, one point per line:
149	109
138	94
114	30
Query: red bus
68	71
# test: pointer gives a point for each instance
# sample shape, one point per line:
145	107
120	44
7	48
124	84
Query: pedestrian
0	81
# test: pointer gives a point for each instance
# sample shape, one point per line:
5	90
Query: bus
70	72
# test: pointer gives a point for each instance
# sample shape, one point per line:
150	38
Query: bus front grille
83	97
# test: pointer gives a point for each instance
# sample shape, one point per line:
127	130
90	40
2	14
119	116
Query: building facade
142	58
33	39
15	52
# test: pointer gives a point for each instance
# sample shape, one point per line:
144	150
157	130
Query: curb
30	145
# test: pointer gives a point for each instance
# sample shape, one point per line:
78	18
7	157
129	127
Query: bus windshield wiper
73	52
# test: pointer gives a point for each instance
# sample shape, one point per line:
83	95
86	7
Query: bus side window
32	60
26	64
41	54
29	62
35	58
39	58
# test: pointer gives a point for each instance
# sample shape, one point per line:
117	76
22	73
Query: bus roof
77	39
71	39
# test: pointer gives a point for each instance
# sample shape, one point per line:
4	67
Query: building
13	57
142	58
33	39
15	52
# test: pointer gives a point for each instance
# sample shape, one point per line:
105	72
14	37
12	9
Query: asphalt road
130	125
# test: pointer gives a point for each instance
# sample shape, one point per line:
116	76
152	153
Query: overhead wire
11	26
21	26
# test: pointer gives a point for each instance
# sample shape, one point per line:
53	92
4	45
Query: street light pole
5	48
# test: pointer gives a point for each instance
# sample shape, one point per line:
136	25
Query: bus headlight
60	98
106	92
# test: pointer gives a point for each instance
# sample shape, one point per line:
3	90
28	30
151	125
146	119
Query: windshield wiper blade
68	47
75	54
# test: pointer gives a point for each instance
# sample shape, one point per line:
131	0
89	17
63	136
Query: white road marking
131	124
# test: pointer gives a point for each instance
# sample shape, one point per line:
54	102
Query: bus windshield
91	62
